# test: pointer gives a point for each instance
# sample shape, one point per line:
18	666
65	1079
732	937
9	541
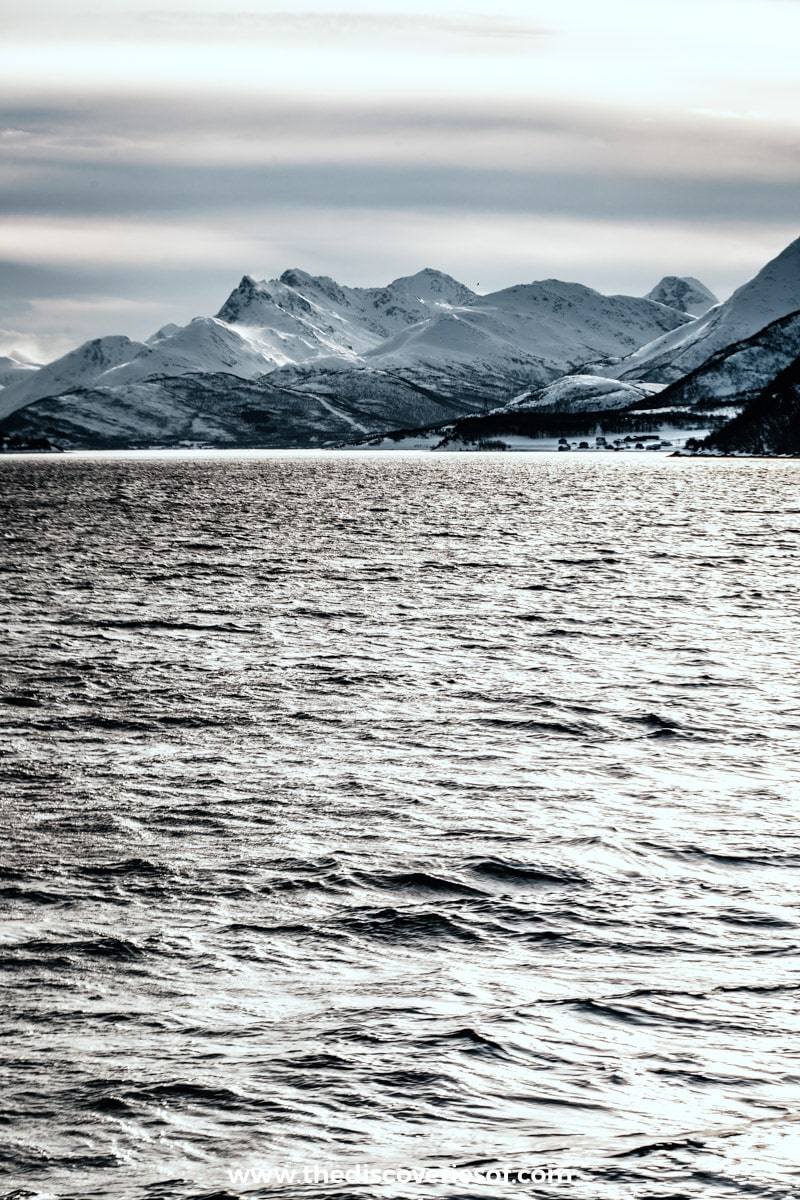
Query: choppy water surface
400	811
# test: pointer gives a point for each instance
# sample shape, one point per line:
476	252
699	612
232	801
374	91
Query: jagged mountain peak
240	299
297	277
295	289
253	300
426	273
245	285
98	354
300	281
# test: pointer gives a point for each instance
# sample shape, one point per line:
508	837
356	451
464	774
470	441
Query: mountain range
741	350
304	361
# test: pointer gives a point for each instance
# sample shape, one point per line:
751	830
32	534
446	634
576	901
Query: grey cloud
155	129
133	190
117	158
22	282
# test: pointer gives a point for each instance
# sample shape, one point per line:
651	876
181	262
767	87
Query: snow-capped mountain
76	369
685	293
301	360
738	373
205	345
476	355
301	317
727	381
773	293
15	369
749	373
524	335
432	331
424	335
261	327
583	393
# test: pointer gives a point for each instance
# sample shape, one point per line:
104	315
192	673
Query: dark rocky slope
769	424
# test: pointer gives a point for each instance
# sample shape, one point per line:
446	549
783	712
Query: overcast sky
151	156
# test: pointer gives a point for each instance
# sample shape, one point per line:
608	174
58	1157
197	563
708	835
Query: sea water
431	814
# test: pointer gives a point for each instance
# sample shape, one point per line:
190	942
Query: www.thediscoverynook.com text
316	1173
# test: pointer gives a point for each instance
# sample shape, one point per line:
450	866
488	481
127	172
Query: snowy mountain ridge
300	316
428	327
302	360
